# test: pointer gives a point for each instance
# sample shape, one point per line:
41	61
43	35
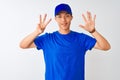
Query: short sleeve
89	42
39	41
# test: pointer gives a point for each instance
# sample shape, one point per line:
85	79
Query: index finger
84	18
48	22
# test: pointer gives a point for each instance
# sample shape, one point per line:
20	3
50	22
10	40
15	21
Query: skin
89	26
63	20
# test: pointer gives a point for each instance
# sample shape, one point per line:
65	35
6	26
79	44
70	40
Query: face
64	20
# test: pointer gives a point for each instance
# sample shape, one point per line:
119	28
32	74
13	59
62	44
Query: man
64	50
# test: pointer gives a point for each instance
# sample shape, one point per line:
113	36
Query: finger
38	26
40	19
94	18
89	16
44	18
48	22
81	26
84	18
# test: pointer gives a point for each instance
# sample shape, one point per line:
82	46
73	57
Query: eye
68	15
58	16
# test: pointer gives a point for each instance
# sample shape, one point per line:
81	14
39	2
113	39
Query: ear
55	18
71	17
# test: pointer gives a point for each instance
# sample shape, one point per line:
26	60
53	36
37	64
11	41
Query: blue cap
63	7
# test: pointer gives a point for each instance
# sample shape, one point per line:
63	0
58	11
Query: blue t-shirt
64	54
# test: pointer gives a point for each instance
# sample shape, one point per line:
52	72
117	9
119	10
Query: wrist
36	32
92	31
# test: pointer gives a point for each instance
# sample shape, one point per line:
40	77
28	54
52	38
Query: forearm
28	41
102	43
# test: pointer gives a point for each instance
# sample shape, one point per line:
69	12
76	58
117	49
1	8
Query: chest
65	46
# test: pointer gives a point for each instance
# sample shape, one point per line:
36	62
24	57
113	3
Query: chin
65	28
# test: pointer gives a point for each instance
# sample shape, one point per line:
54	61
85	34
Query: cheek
57	20
69	20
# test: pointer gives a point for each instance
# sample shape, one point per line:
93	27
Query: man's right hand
42	24
28	41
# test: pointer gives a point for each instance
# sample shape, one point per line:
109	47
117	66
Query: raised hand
42	24
89	22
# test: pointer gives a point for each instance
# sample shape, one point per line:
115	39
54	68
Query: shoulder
82	36
46	35
78	33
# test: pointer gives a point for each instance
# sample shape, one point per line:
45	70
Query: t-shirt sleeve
39	41
89	42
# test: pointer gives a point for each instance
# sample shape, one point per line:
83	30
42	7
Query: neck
64	31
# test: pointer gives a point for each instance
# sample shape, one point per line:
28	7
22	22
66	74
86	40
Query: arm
28	41
89	26
102	43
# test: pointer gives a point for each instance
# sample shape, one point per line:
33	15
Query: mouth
64	24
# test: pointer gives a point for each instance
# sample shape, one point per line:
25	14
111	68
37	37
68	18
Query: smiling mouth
64	24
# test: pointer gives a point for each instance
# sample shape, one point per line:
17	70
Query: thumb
81	26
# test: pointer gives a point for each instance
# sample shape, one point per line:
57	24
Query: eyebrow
63	12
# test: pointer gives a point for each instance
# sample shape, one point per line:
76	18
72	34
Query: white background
18	18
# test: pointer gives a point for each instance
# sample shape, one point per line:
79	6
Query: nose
63	19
